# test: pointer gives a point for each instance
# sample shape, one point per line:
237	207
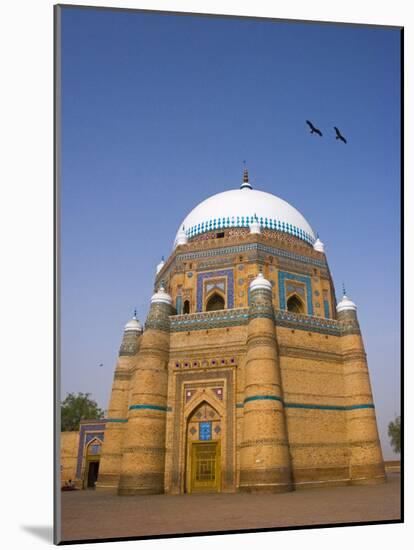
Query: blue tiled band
248	248
307	405
261	397
152	407
244	221
116	420
329	407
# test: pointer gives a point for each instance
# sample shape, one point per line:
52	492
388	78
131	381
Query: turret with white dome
345	305
260	283
133	325
161	297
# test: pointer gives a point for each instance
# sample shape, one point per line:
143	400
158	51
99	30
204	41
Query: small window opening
214	303
186	307
295	304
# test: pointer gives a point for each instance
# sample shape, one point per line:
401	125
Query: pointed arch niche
215	301
204	450
295	304
92	460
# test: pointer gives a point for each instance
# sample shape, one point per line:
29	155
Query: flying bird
100	365
339	135
313	129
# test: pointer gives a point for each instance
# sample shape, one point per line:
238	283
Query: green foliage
77	407
394	433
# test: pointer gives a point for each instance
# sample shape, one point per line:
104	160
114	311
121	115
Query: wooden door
205	466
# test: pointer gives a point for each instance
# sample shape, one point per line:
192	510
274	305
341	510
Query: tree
394	433
77	407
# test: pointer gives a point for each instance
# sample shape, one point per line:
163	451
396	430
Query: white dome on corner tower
239	208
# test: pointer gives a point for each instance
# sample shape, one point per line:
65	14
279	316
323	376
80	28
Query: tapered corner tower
366	464
143	460
111	457
264	458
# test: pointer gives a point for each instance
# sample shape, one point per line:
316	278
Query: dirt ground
93	515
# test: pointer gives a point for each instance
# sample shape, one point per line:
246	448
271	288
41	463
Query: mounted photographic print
228	258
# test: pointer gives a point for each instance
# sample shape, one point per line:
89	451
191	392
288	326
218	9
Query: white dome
161	297
260	283
345	304
236	208
134	325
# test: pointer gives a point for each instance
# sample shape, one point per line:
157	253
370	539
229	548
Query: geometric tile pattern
244	221
279	252
205	431
283	275
240	316
210	274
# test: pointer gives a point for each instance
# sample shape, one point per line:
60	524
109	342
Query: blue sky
158	113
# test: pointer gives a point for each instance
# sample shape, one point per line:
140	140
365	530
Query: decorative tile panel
210	274
240	316
189	394
205	431
220	285
219	223
209	319
218	392
283	276
257	247
299	289
306	322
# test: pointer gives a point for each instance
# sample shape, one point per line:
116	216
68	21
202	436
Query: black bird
313	129
339	135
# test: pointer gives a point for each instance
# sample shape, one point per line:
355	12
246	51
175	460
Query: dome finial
160	265
255	225
343	289
245	184
135	313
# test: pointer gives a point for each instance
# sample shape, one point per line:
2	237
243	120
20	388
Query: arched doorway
203	450
215	302
295	304
186	307
93	453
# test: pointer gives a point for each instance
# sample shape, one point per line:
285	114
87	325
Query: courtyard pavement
93	515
